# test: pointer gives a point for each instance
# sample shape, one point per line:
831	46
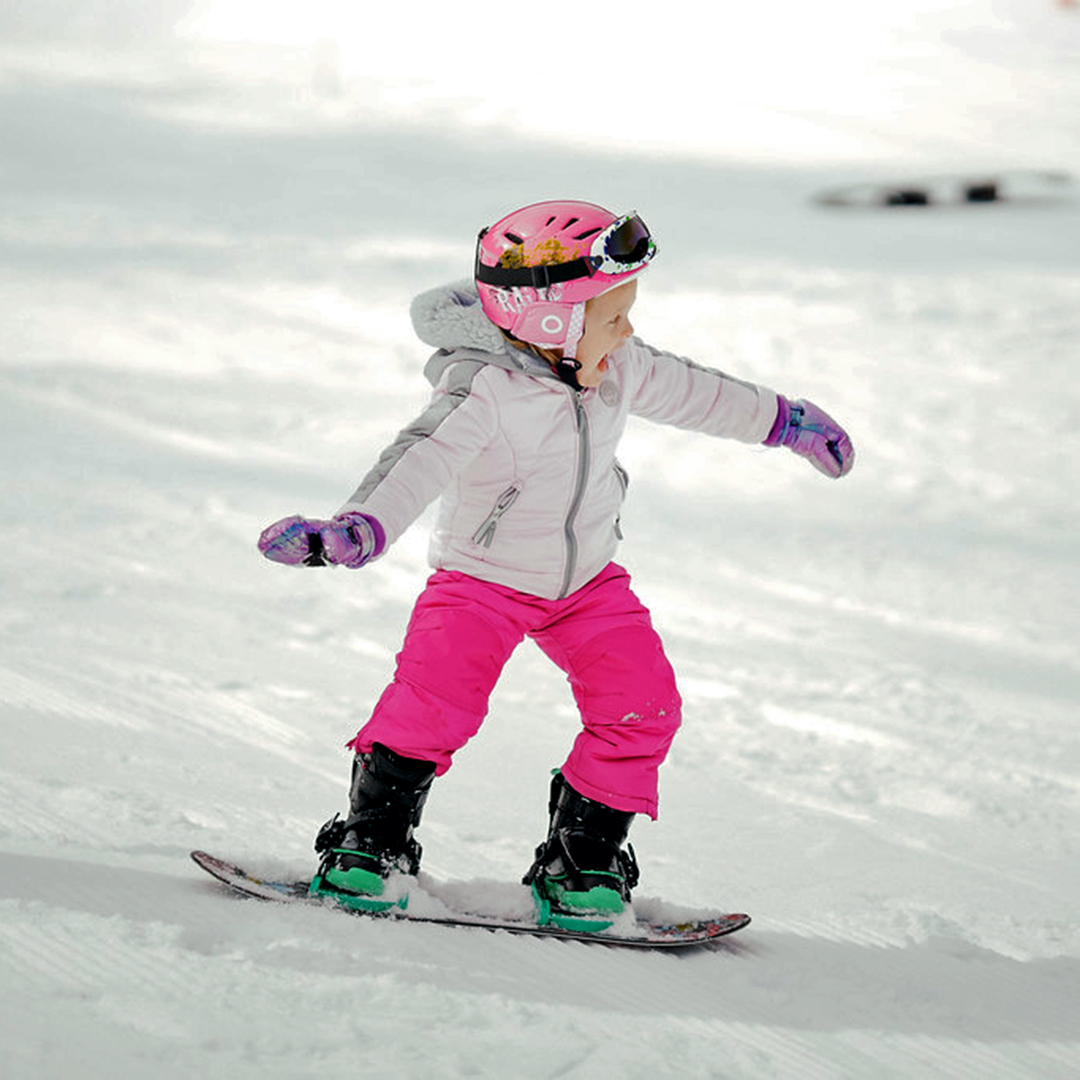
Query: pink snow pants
462	633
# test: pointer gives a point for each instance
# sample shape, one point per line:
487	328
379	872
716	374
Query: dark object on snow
984	192
1018	187
907	197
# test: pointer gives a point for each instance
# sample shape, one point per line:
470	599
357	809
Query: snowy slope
206	329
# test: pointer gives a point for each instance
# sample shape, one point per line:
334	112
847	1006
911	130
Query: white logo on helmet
552	324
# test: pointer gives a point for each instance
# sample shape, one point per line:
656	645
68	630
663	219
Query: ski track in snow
878	759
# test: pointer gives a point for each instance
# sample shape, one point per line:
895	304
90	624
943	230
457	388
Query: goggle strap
536	277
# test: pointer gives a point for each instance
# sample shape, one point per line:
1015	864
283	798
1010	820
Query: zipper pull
486	533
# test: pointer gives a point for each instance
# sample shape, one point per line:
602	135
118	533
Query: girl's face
607	326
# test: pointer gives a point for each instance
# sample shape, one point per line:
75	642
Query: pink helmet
537	266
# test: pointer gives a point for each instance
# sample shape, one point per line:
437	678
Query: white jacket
531	488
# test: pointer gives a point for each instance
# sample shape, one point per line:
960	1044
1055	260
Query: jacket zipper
486	533
582	421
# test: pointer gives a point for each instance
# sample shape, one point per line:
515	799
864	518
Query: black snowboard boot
376	840
582	877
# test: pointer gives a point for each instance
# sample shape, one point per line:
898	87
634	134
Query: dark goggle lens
629	243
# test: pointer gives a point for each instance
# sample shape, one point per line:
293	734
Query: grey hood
451	319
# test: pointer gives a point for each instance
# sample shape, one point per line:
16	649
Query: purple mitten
289	541
352	539
813	434
349	540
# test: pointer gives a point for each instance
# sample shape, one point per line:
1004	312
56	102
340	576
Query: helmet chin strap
568	367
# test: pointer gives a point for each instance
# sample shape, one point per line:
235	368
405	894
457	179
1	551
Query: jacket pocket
486	533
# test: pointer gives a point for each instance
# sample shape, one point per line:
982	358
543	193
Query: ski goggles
624	246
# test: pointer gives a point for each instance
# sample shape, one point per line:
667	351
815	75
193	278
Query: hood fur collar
450	317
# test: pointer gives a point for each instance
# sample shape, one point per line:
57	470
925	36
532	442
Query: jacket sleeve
672	390
416	467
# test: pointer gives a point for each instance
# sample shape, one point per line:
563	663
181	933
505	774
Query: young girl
536	372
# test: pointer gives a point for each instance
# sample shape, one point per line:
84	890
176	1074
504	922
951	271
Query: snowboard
640	934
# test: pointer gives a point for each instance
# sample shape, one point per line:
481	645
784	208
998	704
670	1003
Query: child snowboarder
536	372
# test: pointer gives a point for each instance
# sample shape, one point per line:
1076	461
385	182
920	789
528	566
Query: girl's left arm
672	390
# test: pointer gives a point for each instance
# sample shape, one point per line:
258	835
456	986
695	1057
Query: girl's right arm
458	423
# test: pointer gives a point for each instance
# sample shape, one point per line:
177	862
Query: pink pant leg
624	687
461	634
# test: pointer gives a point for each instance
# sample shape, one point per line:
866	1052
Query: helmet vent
571	221
513	239
587	233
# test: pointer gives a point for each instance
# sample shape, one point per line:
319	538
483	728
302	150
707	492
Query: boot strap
330	835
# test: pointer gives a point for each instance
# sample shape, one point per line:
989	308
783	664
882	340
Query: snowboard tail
641	934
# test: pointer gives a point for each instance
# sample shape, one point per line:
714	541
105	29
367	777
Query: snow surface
206	329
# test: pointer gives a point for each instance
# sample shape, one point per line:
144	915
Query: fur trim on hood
450	317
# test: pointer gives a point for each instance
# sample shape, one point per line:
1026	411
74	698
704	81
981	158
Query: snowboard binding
582	876
361	853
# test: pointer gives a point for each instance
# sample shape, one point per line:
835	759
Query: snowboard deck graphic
645	935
